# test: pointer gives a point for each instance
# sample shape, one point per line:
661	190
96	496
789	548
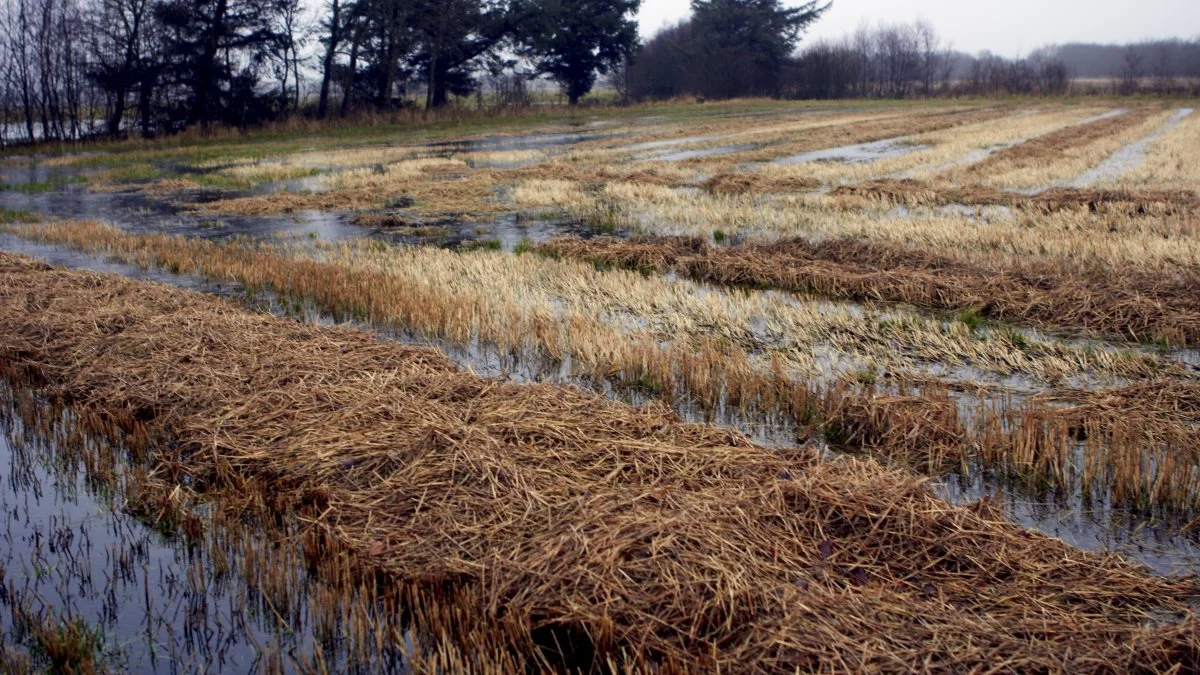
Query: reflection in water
1092	525
861	153
157	592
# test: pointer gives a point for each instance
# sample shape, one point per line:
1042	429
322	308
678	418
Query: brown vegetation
1054	144
1134	305
918	424
836	135
559	518
1104	201
728	183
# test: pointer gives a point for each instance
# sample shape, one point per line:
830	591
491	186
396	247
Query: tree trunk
330	54
349	86
203	86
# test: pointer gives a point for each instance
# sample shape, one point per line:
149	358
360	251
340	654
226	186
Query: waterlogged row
573	307
556	505
109	566
921	423
1007	148
1074	235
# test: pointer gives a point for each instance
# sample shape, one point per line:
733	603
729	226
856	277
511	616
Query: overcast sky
1008	27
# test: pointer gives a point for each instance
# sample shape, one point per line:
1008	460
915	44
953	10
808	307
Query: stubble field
696	388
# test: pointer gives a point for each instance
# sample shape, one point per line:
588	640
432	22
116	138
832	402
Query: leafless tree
1162	66
1131	70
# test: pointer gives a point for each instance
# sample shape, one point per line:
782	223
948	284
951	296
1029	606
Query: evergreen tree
573	41
745	44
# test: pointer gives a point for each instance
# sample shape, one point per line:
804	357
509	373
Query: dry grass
1072	235
647	332
556	514
1170	162
940	150
1063	155
745	183
850	132
1136	305
1115	202
431	195
569	307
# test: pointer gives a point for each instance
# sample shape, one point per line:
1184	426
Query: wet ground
1065	516
860	153
151	594
1129	157
73	550
1154	540
139	213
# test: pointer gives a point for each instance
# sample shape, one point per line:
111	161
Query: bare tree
930	55
117	43
1162	65
1131	70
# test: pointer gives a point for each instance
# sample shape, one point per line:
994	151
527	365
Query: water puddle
861	153
973	157
1093	526
1160	547
684	155
140	214
1127	158
670	143
151	593
515	143
1115	112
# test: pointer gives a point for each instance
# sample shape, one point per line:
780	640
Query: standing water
87	562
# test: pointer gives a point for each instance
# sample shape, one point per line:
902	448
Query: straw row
1142	306
1056	144
558	517
1127	202
921	423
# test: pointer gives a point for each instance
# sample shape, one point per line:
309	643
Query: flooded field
984	311
136	587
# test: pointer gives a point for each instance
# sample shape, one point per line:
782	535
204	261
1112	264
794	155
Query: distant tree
452	36
826	70
332	41
667	65
382	39
1131	70
215	49
573	41
1054	78
118	47
1162	65
934	62
292	33
745	43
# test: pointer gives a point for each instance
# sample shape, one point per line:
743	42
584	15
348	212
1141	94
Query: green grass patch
17	216
480	245
134	173
972	319
51	184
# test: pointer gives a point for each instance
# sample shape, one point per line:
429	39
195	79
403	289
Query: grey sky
1009	27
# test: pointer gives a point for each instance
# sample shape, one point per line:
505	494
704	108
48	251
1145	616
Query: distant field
745	386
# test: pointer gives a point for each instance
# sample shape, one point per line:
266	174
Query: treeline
1157	59
728	48
899	61
72	69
